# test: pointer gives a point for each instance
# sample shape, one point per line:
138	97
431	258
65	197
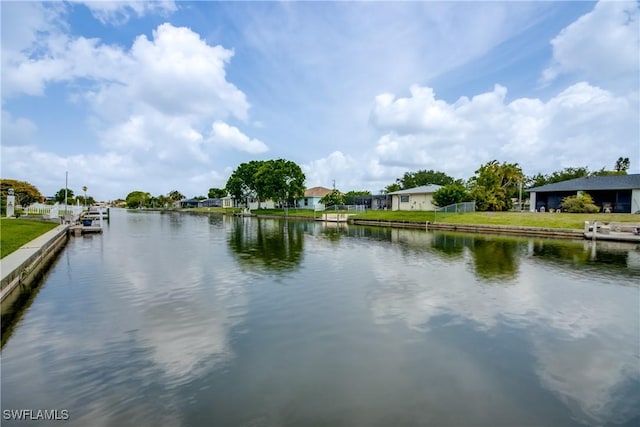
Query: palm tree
84	190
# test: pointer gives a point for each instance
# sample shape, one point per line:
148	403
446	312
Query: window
404	199
306	202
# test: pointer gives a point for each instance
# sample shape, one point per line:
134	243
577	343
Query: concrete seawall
478	228
20	270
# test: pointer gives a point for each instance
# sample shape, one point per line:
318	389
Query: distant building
615	193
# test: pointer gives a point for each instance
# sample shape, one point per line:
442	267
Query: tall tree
138	199
392	187
24	192
424	177
622	164
60	195
175	195
217	193
241	185
565	174
495	184
281	180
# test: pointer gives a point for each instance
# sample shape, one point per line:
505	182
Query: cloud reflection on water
584	337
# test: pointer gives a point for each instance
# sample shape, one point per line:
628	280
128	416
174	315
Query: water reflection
157	322
495	258
267	244
583	336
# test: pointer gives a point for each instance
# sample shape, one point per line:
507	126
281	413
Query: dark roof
603	182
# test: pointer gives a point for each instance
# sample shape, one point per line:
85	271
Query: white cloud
16	131
100	172
119	12
150	105
230	136
602	44
572	127
588	379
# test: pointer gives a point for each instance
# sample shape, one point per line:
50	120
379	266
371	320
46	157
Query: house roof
317	192
423	189
603	182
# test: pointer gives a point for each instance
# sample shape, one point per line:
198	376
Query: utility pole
66	185
520	197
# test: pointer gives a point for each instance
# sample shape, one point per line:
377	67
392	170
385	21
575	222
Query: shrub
582	203
451	194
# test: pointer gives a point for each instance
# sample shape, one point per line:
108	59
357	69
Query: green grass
16	232
525	219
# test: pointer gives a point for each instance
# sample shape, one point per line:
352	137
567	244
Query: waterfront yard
16	232
524	219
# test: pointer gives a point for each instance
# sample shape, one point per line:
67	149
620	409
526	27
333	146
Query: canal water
171	319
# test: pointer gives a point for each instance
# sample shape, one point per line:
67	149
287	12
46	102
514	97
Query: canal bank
513	230
565	233
23	268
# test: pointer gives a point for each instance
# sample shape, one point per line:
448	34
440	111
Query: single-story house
228	202
264	204
414	199
312	196
613	193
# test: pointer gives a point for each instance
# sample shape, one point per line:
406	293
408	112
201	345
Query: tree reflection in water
495	259
267	244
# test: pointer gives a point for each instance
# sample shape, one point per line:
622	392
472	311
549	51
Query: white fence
53	211
349	208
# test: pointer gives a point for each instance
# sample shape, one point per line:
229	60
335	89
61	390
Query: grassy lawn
526	219
16	232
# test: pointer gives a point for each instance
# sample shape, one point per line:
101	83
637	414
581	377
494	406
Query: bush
582	203
451	194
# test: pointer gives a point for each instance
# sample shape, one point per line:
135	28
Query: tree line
27	194
493	187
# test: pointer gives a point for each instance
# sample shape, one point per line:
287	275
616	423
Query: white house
228	202
414	199
264	204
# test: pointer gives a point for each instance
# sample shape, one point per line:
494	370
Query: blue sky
162	96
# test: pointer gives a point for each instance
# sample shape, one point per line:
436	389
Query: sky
161	96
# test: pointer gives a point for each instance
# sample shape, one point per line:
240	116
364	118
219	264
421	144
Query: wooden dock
79	229
612	231
334	217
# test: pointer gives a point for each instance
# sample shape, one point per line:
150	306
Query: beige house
414	199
